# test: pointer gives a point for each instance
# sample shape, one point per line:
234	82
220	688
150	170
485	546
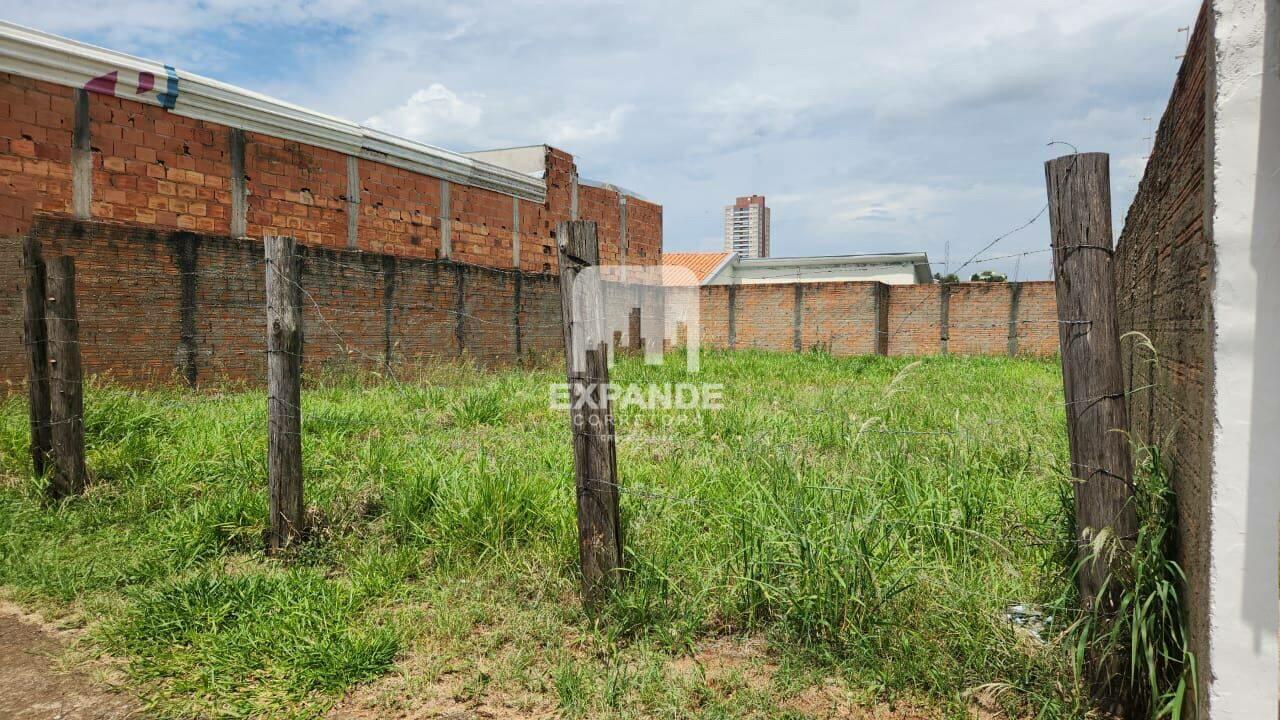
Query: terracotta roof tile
701	263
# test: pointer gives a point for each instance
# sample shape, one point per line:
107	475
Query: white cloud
571	131
902	125
741	114
434	114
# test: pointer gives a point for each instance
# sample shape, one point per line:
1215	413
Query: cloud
742	115
435	114
917	124
572	131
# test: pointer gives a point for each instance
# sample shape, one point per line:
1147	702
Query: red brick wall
1161	268
151	166
915	319
159	172
1037	320
35	151
713	310
978	319
605	208
763	317
136	325
154	167
399	211
861	318
644	232
643	225
839	317
295	189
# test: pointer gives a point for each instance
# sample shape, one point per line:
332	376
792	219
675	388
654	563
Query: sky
870	127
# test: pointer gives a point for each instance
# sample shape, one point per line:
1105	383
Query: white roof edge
62	61
833	259
729	259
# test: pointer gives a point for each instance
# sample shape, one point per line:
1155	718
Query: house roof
702	264
713	268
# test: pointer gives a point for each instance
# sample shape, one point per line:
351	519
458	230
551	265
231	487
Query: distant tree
948	278
989	276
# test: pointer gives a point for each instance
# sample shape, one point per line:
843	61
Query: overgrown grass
871	519
1156	676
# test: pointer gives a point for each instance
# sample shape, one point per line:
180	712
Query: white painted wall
1244	612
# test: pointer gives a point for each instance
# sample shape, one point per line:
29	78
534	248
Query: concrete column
1015	297
515	232
881	292
446	227
81	159
353	200
388	306
622	227
797	319
573	196
733	316
944	317
239	188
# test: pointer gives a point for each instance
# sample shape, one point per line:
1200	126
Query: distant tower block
746	227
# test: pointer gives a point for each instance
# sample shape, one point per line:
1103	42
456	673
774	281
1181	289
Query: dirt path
33	686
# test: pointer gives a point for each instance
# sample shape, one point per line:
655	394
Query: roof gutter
43	56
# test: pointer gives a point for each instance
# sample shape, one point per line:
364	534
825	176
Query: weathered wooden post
36	338
594	459
66	397
284	392
1079	188
635	339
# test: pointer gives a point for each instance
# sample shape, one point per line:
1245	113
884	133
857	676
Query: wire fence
390	321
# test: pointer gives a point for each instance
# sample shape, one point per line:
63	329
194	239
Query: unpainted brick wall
175	306
35	151
864	318
155	168
1161	267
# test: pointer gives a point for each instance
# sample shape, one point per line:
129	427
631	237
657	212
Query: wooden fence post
66	397
1079	188
284	392
594	459
36	338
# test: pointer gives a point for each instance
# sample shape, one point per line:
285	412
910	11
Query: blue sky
870	126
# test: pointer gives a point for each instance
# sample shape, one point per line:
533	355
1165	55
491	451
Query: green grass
443	541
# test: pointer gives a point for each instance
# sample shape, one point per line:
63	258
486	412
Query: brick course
153	167
1161	268
864	318
358	308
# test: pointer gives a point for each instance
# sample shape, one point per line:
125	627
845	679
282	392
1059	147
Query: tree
948	278
989	276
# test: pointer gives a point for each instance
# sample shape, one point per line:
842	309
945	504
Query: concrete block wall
867	318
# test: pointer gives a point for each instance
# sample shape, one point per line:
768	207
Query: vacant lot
844	536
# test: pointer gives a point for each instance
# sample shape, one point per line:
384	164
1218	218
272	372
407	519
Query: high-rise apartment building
746	227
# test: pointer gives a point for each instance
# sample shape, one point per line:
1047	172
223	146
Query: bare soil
35	683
